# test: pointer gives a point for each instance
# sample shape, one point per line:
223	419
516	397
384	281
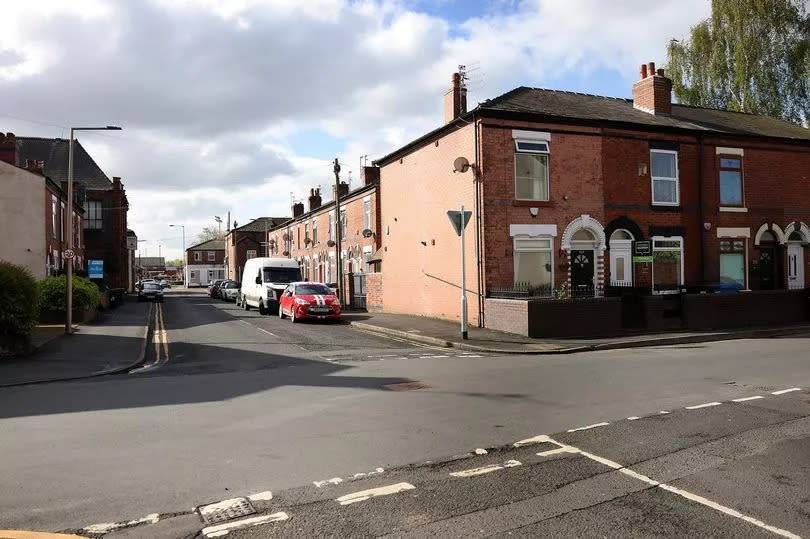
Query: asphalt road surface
236	403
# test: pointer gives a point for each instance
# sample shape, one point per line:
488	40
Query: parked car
213	288
164	284
265	279
229	290
304	300
150	292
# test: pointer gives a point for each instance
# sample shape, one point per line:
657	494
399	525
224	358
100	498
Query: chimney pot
651	68
660	72
643	71
653	92
455	99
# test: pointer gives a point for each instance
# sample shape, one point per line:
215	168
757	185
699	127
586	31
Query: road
244	403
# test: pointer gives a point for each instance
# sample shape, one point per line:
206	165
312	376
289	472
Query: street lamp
184	253
218	219
69	313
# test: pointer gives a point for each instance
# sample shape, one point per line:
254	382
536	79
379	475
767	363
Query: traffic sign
455	220
69	254
95	269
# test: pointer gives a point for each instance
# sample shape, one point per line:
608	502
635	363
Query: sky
242	105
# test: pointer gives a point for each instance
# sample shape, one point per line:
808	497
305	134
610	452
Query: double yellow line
161	338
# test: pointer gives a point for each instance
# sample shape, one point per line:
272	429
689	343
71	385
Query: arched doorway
584	240
621	258
769	263
795	260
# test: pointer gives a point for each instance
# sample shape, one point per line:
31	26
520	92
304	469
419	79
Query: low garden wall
374	297
587	317
746	309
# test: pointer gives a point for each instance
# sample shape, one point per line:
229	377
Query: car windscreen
151	286
231	285
313	289
281	275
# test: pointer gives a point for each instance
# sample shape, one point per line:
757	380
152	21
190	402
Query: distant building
150	266
248	241
205	262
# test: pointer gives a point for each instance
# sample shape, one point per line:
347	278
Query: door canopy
584	222
772	227
802	229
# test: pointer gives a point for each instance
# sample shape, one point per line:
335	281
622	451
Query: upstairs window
664	168
332	225
531	169
92	215
197	256
367	214
314	231
212	256
53	216
731	181
343	224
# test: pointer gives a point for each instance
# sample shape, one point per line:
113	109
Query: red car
308	300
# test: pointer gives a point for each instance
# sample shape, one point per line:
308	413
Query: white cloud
209	92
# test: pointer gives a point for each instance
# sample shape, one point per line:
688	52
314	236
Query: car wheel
262	309
293	319
280	312
245	304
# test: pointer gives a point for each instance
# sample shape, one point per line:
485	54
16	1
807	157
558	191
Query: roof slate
210	245
257	225
54	152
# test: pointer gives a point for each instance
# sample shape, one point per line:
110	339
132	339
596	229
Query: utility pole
338	234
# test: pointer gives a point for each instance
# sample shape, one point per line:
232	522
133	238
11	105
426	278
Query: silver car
229	290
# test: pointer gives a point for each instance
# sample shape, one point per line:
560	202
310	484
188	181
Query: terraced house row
577	195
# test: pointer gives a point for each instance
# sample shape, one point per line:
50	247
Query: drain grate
406	386
226	510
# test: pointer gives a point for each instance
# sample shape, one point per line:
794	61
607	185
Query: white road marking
602	424
480	451
557	451
261	496
540	438
223	529
633	418
468	355
364	495
705	405
333	481
269	333
107	527
384	355
748	398
663	412
680	492
219	506
486	469
377	471
783	391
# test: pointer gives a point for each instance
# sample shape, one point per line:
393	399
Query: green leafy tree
210	233
19	305
749	56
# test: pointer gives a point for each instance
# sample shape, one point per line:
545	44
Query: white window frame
621	248
314	231
344	223
332	225
366	256
212	256
525	248
669	249
62	221
54	206
367	213
663	178
197	256
546	152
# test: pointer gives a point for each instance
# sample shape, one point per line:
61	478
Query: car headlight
301	301
336	303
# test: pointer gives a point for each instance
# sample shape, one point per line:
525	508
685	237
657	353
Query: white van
264	280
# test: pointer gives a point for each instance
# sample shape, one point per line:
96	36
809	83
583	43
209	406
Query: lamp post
184	253
218	219
69	313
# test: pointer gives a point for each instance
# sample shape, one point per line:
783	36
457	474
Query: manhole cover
226	510
405	386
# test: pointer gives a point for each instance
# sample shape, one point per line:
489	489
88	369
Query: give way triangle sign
456	220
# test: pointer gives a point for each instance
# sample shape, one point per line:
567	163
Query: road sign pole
463	280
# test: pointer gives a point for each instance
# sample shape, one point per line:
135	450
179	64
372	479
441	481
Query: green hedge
52	294
19	305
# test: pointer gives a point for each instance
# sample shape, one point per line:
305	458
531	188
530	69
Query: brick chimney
298	209
653	92
369	175
314	199
8	148
117	182
344	190
32	165
455	99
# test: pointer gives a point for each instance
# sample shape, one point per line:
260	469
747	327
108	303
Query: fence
357	291
529	291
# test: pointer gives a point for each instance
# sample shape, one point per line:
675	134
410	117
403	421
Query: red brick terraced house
104	201
310	236
205	263
587	196
247	241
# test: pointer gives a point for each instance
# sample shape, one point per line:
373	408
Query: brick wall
374	292
219	257
507	315
421	257
760	308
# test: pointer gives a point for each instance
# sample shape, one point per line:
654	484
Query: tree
210	233
749	56
177	262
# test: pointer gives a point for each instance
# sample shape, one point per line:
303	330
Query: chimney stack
314	199
455	99
298	209
32	165
8	148
369	175
344	190
653	92
117	182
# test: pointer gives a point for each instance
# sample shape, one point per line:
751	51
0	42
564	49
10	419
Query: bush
19	306
52	294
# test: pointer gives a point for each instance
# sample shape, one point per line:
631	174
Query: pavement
446	333
231	403
115	341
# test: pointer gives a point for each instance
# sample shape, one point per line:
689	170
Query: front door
767	268
795	266
582	273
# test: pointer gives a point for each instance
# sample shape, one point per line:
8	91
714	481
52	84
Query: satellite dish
461	164
367	233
